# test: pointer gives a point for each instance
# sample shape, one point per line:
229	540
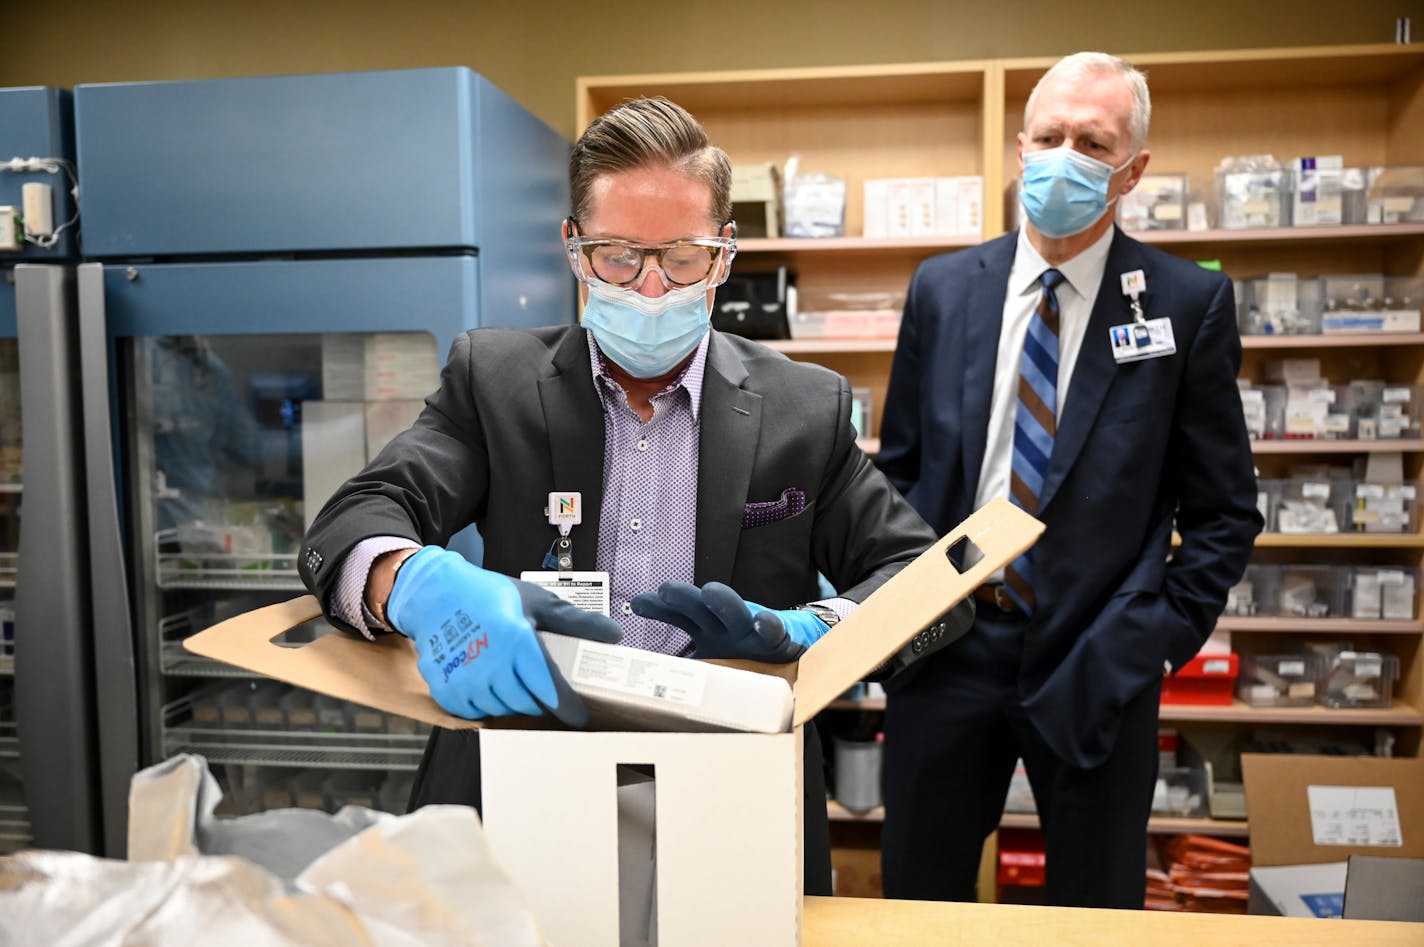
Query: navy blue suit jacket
1139	445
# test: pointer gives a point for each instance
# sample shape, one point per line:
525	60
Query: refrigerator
48	723
274	269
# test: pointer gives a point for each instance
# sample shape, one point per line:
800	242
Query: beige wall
534	49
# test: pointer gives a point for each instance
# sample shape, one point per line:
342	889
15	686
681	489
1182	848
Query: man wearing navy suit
1005	383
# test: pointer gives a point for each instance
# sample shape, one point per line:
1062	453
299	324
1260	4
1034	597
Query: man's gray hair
1085	64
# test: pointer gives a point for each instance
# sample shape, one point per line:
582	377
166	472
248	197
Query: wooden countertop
853	922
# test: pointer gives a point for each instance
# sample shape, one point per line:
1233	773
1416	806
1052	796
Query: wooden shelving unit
1364	102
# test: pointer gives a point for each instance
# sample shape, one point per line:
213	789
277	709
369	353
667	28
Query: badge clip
1134	284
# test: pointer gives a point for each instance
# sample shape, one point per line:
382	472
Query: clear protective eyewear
681	263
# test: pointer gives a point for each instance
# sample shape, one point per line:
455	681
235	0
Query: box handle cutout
304	633
637	854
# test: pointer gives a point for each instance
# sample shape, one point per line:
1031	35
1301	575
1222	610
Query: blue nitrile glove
722	625
474	636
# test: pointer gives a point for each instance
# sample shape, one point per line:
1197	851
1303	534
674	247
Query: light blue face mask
647	337
1065	191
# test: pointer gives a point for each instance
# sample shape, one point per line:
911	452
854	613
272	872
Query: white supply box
723	801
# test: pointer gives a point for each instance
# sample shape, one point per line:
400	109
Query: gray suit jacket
517	417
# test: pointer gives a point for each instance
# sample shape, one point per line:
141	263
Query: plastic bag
289	876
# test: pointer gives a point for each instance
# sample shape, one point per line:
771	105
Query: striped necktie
1035	426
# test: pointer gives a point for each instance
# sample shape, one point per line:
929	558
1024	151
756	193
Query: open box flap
380	674
908	603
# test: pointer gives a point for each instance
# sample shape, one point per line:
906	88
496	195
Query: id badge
587	590
1135	341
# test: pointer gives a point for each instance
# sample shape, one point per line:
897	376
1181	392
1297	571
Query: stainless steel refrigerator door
54	667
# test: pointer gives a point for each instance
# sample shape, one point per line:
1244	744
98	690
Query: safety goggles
681	263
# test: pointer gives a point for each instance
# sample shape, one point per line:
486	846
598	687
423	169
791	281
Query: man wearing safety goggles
714	478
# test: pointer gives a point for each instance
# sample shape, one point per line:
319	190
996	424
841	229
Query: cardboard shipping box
722	801
1310	814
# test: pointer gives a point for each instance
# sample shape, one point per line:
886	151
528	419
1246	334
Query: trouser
952	737
450	773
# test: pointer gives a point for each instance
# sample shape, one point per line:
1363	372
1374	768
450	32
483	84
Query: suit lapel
979	348
573	418
1095	369
730	428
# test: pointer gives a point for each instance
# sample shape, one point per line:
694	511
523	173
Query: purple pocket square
792	501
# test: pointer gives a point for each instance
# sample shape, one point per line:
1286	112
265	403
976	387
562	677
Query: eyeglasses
620	263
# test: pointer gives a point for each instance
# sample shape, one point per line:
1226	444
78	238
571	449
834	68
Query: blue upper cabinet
38	122
419	159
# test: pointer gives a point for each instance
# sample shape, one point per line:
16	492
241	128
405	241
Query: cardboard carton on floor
720	801
1310	814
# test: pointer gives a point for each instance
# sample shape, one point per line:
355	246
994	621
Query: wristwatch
821	612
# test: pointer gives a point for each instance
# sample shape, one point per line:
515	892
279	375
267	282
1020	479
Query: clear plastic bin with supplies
1280	680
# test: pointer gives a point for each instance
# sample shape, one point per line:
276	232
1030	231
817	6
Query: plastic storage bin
1280	680
1278	304
1307	506
1205	680
1313	591
1159	202
1360	679
1383	593
1370	303
1257	594
1254	198
1382	411
1265	410
1180	792
1325	194
1396	194
1383	508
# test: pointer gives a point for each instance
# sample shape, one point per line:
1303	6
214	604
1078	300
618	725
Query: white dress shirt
1082	276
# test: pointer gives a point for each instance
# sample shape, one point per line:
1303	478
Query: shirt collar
690	378
1084	273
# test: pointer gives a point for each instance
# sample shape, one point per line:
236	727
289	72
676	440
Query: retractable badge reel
1142	338
565	512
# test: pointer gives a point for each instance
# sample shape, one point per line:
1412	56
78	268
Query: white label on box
1216	667
621	669
1396	394
1253	396
1167	212
1256	207
1397	205
1317	490
1369	490
587	590
1291	668
1320	396
1368	667
1390	578
1354	815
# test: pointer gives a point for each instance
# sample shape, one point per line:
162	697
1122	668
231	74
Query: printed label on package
627	671
1354	815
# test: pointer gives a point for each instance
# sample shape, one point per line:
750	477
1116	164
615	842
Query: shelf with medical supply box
1215	115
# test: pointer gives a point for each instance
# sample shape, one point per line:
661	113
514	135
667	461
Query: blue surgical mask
1065	191
644	336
